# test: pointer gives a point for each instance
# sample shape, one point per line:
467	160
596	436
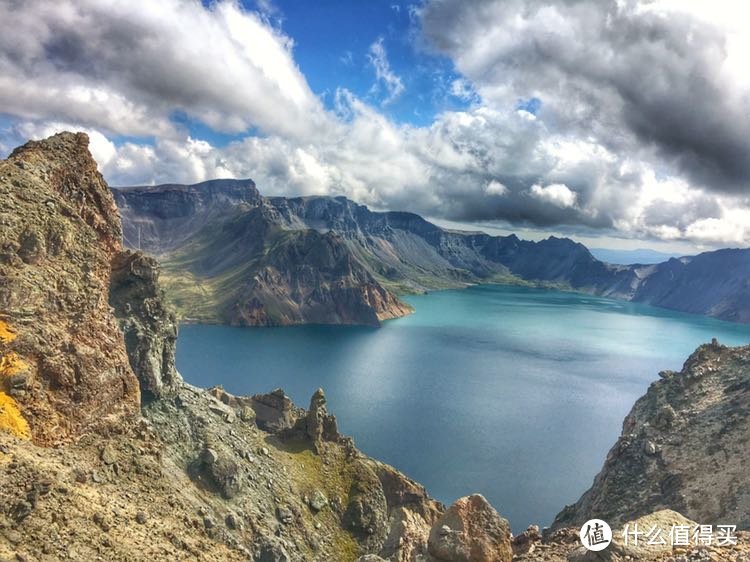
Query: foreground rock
684	446
194	473
471	531
59	233
149	326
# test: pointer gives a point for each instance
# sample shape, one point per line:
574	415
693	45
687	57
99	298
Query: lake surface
512	392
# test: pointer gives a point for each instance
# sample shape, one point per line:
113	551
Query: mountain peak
58	145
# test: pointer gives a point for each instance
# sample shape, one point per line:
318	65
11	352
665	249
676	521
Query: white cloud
126	67
663	80
112	68
494	187
733	228
378	58
463	90
557	194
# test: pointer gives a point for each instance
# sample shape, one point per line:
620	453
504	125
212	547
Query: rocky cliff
684	446
148	325
217	238
64	365
229	258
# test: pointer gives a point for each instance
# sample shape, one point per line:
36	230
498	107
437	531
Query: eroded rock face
313	278
471	531
320	426
366	515
59	232
332	503
392	251
683	447
275	411
149	326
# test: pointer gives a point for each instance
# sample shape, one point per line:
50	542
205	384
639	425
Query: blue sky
332	47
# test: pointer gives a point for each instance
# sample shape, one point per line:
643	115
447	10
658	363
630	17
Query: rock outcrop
241	477
684	447
58	236
149	326
320	426
471	531
311	278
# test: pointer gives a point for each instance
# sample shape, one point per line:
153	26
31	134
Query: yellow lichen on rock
11	419
11	364
7	335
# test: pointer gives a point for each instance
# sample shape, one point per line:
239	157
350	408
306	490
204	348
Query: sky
622	124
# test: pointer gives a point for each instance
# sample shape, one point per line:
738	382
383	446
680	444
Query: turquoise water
512	392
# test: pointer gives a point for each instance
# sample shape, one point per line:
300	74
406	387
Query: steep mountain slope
684	446
713	283
228	257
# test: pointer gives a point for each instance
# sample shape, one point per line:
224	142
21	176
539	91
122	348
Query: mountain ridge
394	253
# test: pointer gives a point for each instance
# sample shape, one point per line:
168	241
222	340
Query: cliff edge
684	446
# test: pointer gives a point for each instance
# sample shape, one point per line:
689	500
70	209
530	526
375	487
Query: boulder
274	412
407	536
271	549
471	531
527	541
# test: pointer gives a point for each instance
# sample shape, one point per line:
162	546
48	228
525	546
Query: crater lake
511	392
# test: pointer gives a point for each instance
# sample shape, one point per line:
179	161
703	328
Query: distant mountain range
231	255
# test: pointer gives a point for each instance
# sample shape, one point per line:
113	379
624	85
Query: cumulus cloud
496	188
557	194
607	151
392	83
635	74
125	67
